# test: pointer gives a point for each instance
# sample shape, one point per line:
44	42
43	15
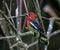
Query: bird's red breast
30	17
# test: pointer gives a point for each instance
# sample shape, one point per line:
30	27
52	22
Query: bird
33	24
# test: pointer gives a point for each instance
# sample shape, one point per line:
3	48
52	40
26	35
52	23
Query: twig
8	20
10	5
25	7
7	37
20	34
26	12
9	44
26	33
19	19
50	27
32	44
20	7
38	12
9	12
14	45
54	33
56	18
22	15
18	43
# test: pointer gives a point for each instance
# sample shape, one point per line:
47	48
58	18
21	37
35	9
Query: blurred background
49	8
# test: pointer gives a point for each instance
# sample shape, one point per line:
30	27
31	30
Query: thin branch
26	12
22	15
26	7
10	5
7	37
8	20
32	44
50	27
9	44
38	12
20	34
20	6
54	33
9	12
18	43
14	45
19	19
26	33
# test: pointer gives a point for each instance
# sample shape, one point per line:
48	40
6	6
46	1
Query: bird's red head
30	17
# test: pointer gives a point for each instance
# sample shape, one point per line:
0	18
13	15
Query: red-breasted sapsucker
32	24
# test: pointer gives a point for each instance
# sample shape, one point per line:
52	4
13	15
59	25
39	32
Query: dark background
54	40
